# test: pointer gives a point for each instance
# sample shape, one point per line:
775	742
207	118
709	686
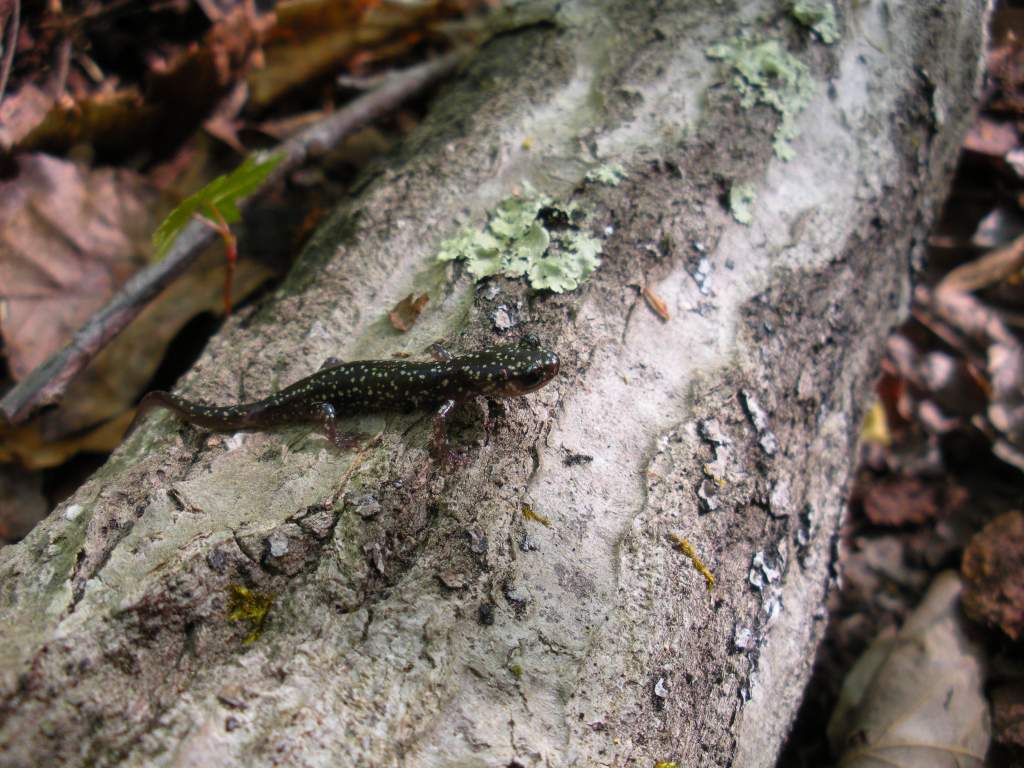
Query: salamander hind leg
439	448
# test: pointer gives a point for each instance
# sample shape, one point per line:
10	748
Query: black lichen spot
575	459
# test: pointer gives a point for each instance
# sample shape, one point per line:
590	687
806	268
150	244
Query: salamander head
509	370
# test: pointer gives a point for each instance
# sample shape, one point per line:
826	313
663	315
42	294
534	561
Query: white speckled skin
367	386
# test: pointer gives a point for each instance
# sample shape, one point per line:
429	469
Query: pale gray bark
605	646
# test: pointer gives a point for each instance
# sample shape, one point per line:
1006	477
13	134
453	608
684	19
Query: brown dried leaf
69	238
318	37
993	138
987	270
915	698
407	311
27	446
900	501
96	409
21	113
224	123
114	122
993	570
1008	714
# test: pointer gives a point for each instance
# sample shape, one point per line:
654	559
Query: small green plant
216	205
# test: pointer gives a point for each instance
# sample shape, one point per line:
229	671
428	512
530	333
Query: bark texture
418	617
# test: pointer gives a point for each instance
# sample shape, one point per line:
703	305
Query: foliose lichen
819	16
741	202
609	173
766	73
517	243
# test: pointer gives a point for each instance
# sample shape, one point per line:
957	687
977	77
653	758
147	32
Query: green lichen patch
517	243
766	73
819	16
741	202
609	173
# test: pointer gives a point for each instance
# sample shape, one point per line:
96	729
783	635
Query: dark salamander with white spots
371	386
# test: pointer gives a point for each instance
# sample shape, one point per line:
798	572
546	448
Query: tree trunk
419	617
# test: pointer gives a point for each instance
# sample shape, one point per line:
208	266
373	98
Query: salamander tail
209	416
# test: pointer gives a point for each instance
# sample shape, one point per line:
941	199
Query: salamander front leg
439	353
329	422
439	437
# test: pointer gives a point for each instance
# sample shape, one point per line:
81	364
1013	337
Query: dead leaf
993	571
989	269
407	311
875	429
21	113
108	123
69	237
224	123
915	698
991	137
96	409
1008	714
900	501
998	227
320	36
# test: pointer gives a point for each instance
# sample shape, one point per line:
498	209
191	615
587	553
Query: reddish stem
230	250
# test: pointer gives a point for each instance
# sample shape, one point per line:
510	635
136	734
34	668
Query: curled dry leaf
407	311
915	697
993	571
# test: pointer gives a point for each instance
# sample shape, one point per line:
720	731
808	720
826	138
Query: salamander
370	386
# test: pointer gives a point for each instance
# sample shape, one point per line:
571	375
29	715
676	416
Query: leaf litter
183	96
941	455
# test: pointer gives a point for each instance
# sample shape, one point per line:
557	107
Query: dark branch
14	14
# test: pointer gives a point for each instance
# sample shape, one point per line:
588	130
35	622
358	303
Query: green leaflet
220	195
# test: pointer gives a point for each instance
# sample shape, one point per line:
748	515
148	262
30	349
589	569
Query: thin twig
9	45
47	383
58	79
994	267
